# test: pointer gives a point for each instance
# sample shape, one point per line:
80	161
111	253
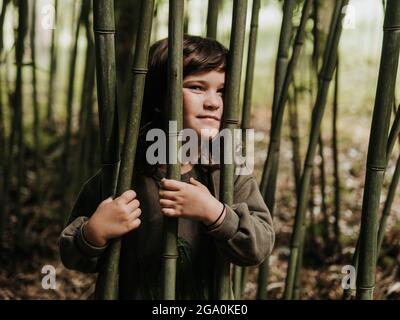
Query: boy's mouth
209	117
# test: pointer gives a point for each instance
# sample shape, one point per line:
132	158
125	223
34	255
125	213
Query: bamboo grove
55	134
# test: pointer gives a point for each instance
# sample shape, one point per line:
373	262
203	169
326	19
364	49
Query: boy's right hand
113	218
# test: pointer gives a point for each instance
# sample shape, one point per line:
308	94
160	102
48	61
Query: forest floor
21	269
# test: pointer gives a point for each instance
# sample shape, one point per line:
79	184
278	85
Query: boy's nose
212	101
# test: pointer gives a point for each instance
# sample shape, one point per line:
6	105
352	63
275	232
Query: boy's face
203	102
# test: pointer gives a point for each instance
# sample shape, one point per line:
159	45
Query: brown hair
199	55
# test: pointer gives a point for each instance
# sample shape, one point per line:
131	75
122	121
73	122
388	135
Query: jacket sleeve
246	236
77	253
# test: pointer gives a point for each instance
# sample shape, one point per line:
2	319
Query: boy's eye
196	88
221	92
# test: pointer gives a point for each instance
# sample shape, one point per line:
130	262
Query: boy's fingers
168	212
165	203
126	197
166	194
170	184
135	224
135	214
133	205
108	200
195	182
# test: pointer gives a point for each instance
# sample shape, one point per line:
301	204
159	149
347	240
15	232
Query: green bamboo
186	18
2	17
50	121
311	209
104	32
247	102
104	26
376	160
36	114
394	133
282	60
81	160
335	152
3	143
297	282
326	74
2	114
127	24
2	163
212	18
324	209
387	208
294	137
18	109
175	114
66	164
271	165
230	122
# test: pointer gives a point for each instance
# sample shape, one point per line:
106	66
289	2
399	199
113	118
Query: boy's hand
113	218
189	200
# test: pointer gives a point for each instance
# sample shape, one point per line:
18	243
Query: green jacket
245	237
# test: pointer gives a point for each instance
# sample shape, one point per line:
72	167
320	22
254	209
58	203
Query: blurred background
45	159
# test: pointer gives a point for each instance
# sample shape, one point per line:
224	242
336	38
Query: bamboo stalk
81	160
4	173
271	166
66	164
230	122
104	26
247	102
186	18
2	17
387	208
335	152
282	60
377	151
36	113
394	133
294	137
324	209
212	18
18	105
175	113
104	32
50	121
2	163
125	39
326	74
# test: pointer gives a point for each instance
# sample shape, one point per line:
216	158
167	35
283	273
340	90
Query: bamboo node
173	133
369	288
391	28
230	121
375	168
101	31
140	70
170	256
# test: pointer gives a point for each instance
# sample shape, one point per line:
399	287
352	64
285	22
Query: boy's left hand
189	200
